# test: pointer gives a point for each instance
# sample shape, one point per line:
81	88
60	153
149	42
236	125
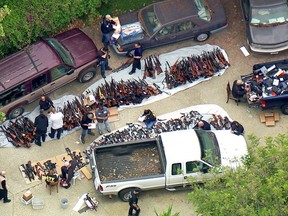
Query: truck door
174	175
58	77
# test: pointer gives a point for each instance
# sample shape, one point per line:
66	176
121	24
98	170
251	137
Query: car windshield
269	16
203	10
150	21
210	152
61	50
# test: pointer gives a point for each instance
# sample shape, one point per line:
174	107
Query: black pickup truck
270	81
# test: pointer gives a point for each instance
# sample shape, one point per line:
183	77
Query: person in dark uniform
238	89
3	188
41	124
150	118
86	120
133	203
237	128
203	125
103	58
137	58
107	30
45	103
52	177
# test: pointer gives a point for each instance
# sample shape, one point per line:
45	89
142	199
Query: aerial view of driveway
212	91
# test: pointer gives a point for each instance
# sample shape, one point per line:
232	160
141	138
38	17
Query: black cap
137	190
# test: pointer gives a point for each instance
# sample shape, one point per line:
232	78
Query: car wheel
87	75
202	37
14	113
124	195
284	109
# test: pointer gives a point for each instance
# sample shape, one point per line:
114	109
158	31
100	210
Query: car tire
14	113
284	109
87	75
202	37
124	195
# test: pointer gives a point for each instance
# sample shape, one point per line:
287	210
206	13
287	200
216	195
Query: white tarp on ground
32	115
171	58
206	110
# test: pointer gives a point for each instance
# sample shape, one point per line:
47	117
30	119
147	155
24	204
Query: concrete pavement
210	92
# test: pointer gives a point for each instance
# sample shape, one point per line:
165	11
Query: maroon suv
44	67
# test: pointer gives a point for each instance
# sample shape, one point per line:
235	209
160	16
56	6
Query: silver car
266	25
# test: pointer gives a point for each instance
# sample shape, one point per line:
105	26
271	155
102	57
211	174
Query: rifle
157	65
160	91
124	65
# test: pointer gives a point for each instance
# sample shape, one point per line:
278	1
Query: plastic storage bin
37	203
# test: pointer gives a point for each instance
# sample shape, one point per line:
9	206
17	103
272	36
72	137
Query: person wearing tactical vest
133	202
3	188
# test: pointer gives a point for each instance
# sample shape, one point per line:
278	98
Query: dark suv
44	67
170	21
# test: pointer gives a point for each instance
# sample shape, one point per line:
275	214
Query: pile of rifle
78	158
72	112
115	93
138	132
191	68
220	123
19	132
152	66
39	170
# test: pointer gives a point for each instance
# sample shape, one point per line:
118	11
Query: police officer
133	202
3	188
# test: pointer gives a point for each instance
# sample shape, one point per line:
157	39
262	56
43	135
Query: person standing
45	103
102	114
86	121
40	124
103	57
137	58
133	203
237	128
107	30
56	123
3	188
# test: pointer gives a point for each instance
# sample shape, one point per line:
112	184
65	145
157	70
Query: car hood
232	148
80	46
269	35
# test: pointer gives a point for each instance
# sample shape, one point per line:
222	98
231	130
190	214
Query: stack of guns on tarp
42	169
138	132
133	91
188	69
268	79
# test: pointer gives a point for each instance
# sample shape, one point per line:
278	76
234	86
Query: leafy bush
32	19
260	187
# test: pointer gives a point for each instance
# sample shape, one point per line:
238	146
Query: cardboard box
269	119
27	195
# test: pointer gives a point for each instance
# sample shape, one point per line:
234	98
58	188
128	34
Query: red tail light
100	188
263	103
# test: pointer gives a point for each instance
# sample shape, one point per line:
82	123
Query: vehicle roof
172	10
81	47
26	63
265	3
186	147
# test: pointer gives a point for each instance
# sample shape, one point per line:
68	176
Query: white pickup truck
163	162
